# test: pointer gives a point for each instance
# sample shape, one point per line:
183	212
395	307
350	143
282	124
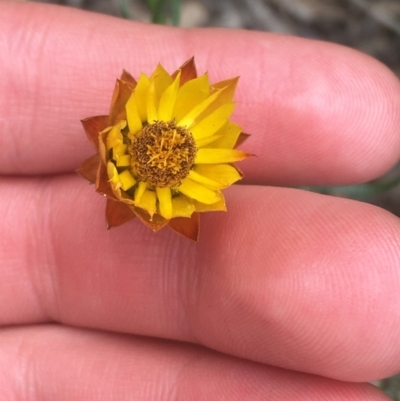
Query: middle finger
287	277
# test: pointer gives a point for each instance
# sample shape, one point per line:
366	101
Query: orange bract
166	149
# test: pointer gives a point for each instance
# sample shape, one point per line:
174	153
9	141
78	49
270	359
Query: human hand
290	295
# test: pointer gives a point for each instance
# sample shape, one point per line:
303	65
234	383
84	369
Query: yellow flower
165	151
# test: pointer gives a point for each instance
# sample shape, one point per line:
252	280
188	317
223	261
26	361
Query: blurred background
372	26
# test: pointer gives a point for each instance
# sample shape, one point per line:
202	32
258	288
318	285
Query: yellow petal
182	206
211	156
213	122
230	87
202	142
141	96
190	118
168	99
227	136
165	202
112	173
119	150
160	80
123	161
114	137
118	181
198	192
140	191
132	115
219	206
190	95
104	184
203	180
126	180
148	202
225	174
225	94
151	101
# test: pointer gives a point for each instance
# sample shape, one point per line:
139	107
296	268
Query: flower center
163	153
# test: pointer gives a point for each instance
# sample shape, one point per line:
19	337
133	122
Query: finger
61	363
318	112
289	278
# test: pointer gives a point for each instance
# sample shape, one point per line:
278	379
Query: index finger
319	113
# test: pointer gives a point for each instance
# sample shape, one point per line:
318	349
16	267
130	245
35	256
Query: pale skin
289	296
